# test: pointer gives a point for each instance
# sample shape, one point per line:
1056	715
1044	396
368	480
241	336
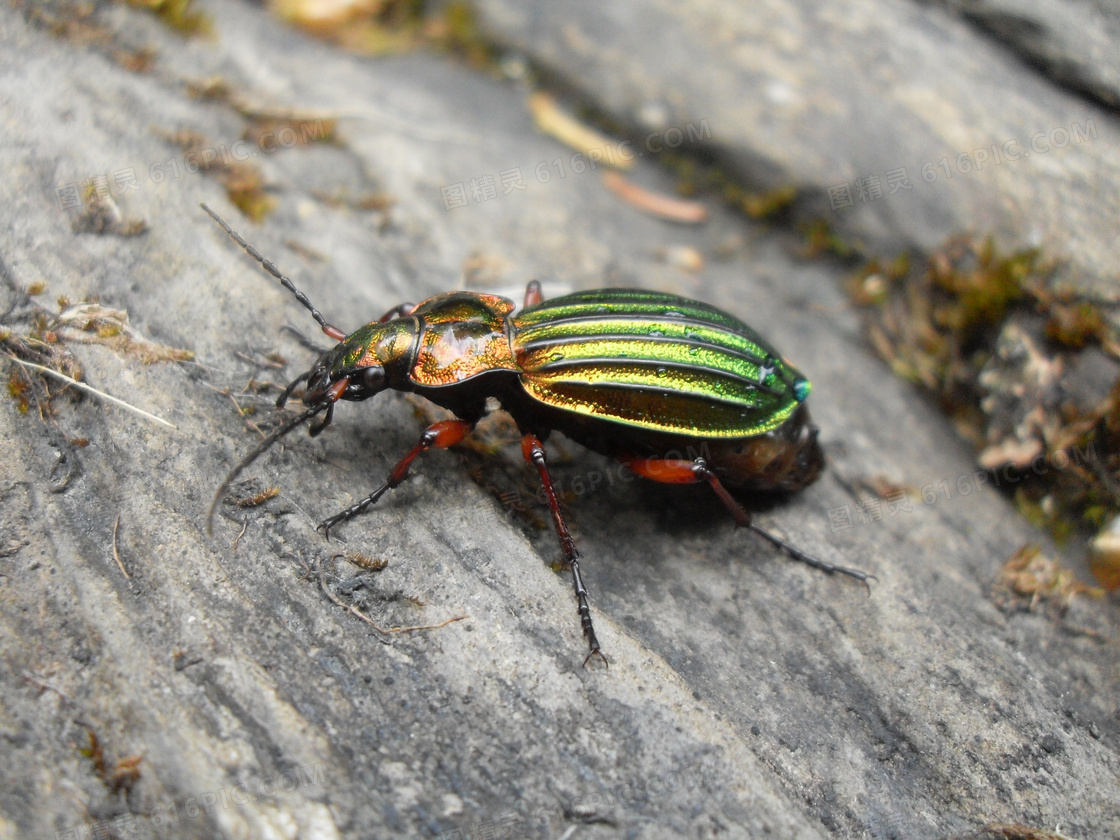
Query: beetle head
367	361
364	363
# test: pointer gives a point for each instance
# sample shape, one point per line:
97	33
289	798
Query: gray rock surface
747	695
899	124
1074	43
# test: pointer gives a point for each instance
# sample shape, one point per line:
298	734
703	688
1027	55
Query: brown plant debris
1104	556
553	120
92	323
1029	578
243	181
371	27
258	498
118	778
37	342
179	15
100	213
655	204
1021	365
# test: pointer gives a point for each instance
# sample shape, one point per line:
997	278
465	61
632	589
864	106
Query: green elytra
713	376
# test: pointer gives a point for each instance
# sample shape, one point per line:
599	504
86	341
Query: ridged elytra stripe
695	333
666	376
627	303
665	354
665	411
656	361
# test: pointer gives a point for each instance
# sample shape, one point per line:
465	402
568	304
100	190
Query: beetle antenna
263	447
270	267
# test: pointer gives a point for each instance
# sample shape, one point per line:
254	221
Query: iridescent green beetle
640	376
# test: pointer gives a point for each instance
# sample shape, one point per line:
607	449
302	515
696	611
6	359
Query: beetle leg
533	450
282	400
680	471
401	310
533	293
315	429
440	435
303	340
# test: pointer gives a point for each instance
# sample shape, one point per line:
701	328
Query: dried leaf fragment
553	120
655	204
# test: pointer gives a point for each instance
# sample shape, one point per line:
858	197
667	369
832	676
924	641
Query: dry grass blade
551	119
81	386
662	206
116	553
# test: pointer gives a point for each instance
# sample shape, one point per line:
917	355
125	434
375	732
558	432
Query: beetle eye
372	377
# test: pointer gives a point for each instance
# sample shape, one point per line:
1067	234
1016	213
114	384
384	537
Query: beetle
640	376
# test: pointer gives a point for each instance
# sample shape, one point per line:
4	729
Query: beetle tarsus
585	614
316	428
282	400
533	451
830	568
352	511
303	340
596	654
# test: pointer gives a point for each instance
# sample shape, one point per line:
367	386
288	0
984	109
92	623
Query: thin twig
46	686
257	362
225	392
366	618
244	415
349	607
116	554
426	626
244	528
81	386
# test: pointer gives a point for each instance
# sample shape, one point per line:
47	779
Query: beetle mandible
631	374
